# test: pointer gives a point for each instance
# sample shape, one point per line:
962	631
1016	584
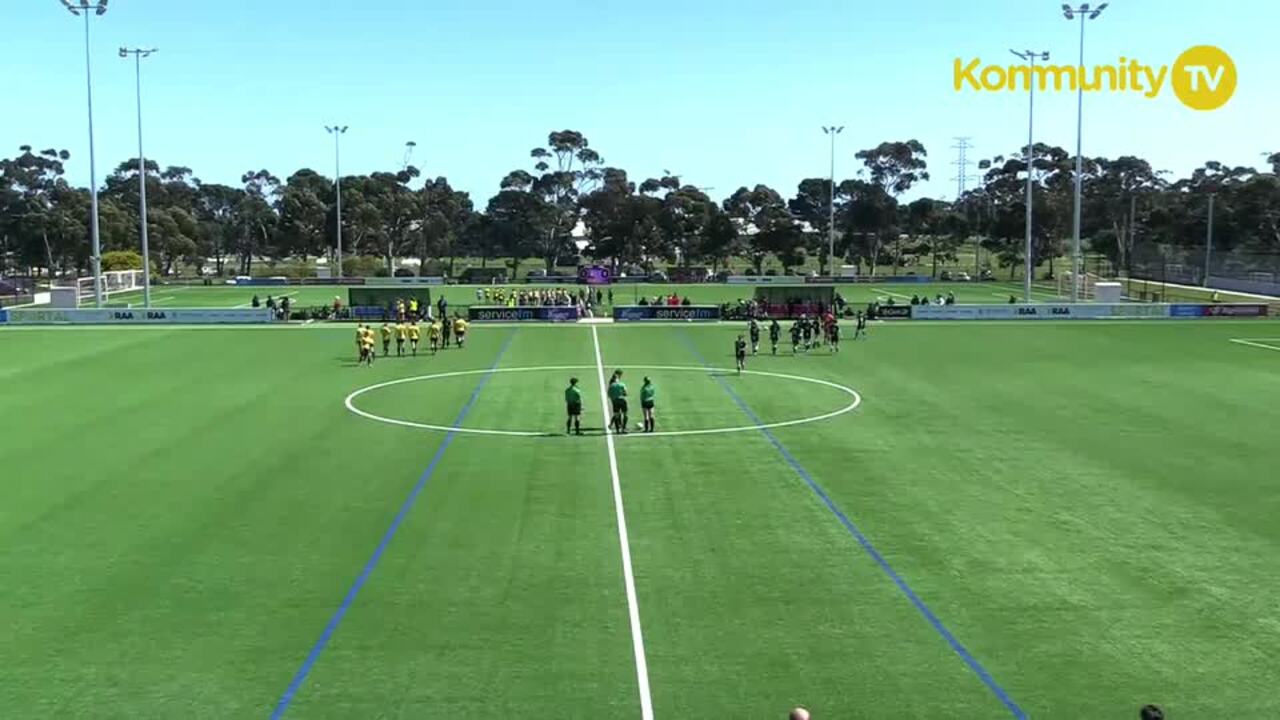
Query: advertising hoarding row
1082	311
122	316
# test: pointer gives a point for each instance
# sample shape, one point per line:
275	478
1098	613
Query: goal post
113	282
1086	282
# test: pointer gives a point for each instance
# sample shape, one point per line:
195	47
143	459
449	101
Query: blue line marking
301	676
919	604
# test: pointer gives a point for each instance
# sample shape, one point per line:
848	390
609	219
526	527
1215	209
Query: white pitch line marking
628	578
856	400
1257	342
894	294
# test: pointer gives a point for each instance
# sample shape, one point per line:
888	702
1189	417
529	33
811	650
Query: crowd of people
950	299
672	300
541	297
280	307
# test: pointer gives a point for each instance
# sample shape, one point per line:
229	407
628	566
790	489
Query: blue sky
722	93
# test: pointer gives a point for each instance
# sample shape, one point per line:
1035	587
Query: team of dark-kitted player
806	334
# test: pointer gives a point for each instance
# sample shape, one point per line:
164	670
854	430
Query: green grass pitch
1088	510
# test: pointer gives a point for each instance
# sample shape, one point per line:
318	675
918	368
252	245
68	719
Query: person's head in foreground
799	714
1151	712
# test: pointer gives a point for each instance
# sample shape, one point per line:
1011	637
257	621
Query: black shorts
620	405
742	356
574	409
647	405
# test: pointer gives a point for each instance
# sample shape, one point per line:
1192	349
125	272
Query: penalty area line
624	543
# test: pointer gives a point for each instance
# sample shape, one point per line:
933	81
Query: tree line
568	201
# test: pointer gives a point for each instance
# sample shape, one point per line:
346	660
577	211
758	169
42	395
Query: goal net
1086	282
113	283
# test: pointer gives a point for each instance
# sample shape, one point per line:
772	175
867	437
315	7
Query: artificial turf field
1045	520
177	296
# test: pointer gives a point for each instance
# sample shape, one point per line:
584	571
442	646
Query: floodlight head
124	52
102	7
1044	55
344	129
71	8
1084	7
1097	11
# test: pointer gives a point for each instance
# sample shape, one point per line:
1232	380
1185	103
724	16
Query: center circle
855	400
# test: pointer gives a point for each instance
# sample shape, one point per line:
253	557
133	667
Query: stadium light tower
1030	56
337	132
832	131
138	54
1084	12
84	8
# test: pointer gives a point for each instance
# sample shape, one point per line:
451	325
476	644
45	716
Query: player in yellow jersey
385	331
359	343
366	344
433	335
459	330
415	334
402	334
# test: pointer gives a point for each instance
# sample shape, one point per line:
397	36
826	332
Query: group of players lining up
616	391
439	335
807	333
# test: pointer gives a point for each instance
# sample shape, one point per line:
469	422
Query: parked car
962	276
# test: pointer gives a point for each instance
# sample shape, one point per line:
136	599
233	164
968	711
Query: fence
1238	270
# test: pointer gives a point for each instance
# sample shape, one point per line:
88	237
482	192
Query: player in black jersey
740	353
775	330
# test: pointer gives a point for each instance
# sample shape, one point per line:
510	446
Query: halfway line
300	677
862	539
628	578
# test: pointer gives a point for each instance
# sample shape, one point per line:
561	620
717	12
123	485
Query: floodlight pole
82	8
1030	56
138	54
1085	13
832	131
337	132
1208	242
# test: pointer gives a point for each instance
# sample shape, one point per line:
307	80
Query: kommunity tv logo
1202	78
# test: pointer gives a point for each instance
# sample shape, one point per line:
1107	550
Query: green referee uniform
618	401
573	408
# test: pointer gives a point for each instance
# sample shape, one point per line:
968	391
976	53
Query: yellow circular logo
1204	77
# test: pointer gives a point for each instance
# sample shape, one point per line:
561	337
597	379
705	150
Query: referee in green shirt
647	394
618	401
573	406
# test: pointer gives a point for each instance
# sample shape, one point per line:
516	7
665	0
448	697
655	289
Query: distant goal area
82	292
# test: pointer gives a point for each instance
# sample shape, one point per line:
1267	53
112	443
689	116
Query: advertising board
641	313
483	313
893	312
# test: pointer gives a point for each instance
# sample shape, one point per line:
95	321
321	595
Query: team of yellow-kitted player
438	336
